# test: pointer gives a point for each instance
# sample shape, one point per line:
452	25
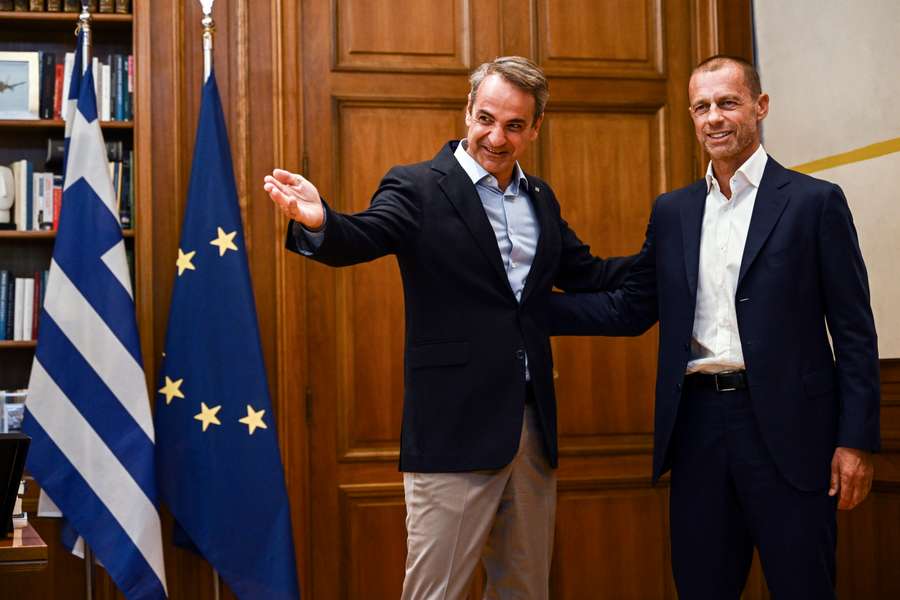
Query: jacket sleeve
391	222
848	314
629	310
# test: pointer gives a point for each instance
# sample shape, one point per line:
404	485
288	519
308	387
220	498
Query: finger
835	478
285	192
286	177
848	490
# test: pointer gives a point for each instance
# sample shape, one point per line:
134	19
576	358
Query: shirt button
513	264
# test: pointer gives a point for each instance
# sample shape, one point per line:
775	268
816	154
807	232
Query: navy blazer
801	268
466	334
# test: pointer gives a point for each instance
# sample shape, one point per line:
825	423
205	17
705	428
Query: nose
714	115
497	137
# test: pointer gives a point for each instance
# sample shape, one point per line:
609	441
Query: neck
724	169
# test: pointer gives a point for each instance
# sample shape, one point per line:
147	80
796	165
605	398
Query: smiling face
501	126
726	116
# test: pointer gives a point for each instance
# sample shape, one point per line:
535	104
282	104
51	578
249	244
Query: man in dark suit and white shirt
765	429
480	244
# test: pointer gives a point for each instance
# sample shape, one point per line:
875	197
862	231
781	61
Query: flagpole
84	24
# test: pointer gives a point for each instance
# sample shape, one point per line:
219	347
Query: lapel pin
537	189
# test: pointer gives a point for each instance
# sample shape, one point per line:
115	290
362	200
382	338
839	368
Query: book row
31	200
21	299
103	6
113	85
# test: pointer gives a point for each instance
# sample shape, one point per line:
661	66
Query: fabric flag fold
219	469
87	410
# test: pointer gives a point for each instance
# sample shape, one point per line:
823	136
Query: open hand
297	198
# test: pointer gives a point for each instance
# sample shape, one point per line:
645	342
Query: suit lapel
691	226
460	192
539	203
771	200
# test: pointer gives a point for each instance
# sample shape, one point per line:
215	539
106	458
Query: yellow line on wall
845	158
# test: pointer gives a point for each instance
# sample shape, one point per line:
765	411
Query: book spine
107	6
36	6
21	5
125	206
67	77
11	310
4	300
58	90
116	60
123	6
47	220
37	199
130	113
54	5
72	5
48	78
36	305
6	5
18	168
27	308
107	80
57	199
19	309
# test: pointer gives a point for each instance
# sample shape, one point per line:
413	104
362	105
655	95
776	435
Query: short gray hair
520	72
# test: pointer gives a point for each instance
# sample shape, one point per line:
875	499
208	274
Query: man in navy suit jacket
765	428
480	245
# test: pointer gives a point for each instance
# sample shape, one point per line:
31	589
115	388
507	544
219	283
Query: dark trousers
727	496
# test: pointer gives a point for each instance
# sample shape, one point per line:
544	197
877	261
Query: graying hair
520	72
751	75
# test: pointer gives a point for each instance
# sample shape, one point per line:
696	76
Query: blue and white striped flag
88	411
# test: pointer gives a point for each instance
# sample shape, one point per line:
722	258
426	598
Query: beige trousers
506	518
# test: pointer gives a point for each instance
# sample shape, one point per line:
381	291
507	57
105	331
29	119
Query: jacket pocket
818	383
437	354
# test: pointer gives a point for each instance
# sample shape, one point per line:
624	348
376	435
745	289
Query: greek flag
87	411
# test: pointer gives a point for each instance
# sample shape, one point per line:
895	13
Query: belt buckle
726	389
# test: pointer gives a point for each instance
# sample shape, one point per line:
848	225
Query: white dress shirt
716	341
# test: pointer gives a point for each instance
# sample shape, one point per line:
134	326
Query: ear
469	114
762	107
536	128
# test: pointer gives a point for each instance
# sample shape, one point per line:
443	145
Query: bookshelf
24	253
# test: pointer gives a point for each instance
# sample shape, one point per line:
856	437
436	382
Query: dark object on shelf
36	6
13	448
123	7
22	5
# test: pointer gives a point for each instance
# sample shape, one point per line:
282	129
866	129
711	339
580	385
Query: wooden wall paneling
373	539
427	35
607	39
289	389
612	540
599	163
370	350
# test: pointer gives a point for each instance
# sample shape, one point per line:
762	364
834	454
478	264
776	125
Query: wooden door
384	83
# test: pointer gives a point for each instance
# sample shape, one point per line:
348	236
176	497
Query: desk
25	551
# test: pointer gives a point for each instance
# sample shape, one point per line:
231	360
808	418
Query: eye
700	109
516	127
729	104
484	119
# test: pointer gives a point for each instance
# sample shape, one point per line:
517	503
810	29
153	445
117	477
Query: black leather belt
729	381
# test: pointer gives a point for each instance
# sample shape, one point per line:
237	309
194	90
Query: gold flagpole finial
208	29
84	24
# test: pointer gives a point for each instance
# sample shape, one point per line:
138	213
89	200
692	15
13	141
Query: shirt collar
751	171
477	173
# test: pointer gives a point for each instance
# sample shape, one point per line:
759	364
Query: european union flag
217	457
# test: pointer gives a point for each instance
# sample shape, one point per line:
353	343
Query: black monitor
13	448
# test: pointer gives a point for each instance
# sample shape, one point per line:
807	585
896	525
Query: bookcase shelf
57	124
43	235
63	17
8	345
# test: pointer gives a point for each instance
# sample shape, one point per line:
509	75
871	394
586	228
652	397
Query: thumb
835	477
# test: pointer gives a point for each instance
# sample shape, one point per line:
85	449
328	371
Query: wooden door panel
589	38
601	167
612	541
369	297
403	34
